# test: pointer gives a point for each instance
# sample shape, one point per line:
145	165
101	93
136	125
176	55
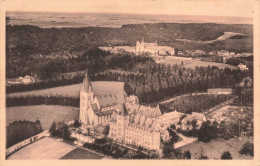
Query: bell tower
86	98
122	122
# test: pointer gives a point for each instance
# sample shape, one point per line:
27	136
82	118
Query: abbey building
152	48
129	122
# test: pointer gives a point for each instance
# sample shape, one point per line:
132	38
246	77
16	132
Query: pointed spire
87	86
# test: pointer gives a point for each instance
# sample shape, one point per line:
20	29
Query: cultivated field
80	153
46	113
46	148
100	87
190	63
215	148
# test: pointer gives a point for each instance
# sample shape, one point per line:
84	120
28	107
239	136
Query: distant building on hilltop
153	48
242	67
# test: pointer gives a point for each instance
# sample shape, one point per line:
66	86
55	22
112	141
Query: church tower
142	45
86	98
122	122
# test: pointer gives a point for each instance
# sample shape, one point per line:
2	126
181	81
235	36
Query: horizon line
97	12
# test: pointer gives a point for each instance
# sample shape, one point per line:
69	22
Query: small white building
242	67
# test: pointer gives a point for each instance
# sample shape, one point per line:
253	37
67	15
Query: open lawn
100	87
215	148
205	64
46	113
191	63
46	148
80	153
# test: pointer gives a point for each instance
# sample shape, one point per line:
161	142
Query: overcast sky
239	8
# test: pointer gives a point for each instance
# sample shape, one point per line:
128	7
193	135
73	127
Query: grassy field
46	148
80	153
46	113
100	87
205	64
215	148
190	63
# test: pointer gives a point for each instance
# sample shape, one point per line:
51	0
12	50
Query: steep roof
122	109
196	116
109	99
171	115
144	110
86	82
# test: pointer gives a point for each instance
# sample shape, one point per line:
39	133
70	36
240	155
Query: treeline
98	61
38	100
109	148
163	81
50	67
60	130
18	131
154	82
194	103
248	61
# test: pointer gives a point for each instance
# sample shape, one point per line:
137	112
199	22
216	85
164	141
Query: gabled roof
107	100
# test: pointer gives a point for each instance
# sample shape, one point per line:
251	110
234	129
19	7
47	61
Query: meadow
191	63
100	88
46	114
46	148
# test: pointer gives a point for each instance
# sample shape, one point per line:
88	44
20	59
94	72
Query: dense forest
30	49
49	40
93	58
18	131
194	103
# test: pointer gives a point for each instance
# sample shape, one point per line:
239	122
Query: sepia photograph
129	80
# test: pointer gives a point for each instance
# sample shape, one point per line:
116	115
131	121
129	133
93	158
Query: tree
187	155
66	133
167	150
194	124
226	156
202	157
52	129
247	149
76	123
205	132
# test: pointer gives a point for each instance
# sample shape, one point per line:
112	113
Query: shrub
226	156
247	149
187	155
